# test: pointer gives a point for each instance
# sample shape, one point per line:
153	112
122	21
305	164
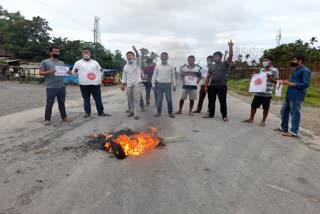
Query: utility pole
278	37
96	34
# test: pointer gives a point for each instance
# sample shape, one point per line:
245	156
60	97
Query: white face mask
86	57
265	63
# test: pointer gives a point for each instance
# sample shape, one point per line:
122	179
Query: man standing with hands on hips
89	72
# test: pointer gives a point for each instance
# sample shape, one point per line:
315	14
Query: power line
66	15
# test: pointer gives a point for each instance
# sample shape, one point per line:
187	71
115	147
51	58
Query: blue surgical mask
130	61
265	63
209	62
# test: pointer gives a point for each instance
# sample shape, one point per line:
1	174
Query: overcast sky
179	27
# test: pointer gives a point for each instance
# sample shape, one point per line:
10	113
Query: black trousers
95	91
221	91
52	93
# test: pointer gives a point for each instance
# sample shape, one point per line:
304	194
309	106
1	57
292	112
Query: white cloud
180	27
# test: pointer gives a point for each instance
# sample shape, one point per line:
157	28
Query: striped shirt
190	72
275	75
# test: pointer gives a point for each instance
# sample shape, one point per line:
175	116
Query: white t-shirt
89	72
204	73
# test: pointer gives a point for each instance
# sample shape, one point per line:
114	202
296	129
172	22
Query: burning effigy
126	142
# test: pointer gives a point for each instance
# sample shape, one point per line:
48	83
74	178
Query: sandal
247	121
67	119
289	134
278	130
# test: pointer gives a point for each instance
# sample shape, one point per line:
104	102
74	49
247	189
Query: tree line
30	40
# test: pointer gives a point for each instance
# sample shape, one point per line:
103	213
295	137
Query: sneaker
128	111
105	114
136	117
130	114
86	115
225	119
157	115
47	122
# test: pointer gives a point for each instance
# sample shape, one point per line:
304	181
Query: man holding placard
297	89
54	70
264	97
191	75
89	72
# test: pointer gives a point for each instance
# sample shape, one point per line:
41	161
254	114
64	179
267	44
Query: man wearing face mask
264	98
163	79
297	89
55	85
89	72
132	80
202	93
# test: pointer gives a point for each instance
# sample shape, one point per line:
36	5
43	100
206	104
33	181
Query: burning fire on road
127	142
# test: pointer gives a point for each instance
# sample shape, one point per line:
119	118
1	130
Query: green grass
312	98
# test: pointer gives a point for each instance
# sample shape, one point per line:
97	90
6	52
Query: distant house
5	53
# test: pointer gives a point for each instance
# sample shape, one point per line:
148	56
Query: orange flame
136	144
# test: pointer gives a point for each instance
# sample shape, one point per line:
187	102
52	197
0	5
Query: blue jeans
293	108
52	93
148	86
160	89
95	90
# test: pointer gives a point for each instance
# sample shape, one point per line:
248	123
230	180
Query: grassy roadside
312	98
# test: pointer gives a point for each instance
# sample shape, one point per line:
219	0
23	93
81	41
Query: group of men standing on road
56	87
162	79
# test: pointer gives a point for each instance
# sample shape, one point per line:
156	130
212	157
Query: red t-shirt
148	70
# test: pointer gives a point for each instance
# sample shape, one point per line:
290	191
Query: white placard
204	73
92	77
258	83
61	71
190	80
279	88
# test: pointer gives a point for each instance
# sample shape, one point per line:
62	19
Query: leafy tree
284	52
154	56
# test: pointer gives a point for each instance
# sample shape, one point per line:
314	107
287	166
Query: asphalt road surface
219	167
